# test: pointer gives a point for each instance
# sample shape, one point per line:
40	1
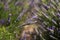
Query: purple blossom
46	7
2	21
58	14
6	7
52	27
34	17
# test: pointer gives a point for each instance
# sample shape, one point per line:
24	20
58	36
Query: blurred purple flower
2	21
52	27
46	7
30	21
58	14
34	17
6	7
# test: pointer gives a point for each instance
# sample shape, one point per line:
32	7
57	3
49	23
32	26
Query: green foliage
5	34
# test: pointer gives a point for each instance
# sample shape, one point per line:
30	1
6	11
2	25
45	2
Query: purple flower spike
34	17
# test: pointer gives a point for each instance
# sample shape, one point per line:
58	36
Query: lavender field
29	19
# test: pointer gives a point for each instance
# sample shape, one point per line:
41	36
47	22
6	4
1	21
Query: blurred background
15	15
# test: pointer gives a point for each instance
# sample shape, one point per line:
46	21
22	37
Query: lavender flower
46	7
34	17
58	14
2	22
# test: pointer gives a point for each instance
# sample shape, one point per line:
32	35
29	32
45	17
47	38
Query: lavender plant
16	14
